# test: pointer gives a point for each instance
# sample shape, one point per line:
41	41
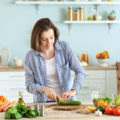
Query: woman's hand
49	93
68	95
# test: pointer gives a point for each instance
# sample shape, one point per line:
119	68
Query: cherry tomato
109	109
116	111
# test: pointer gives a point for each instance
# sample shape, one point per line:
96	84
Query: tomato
116	111
109	109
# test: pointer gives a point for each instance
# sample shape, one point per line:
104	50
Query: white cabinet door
103	81
111	82
95	81
13	82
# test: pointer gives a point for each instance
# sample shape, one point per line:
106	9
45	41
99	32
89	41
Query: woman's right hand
50	93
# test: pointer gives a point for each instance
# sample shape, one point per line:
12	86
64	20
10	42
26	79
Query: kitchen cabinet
13	82
111	82
103	81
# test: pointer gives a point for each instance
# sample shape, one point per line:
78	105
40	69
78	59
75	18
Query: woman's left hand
68	95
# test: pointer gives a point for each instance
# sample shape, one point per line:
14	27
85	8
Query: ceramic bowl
111	18
103	62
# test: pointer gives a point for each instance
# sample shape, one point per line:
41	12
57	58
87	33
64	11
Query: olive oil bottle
20	100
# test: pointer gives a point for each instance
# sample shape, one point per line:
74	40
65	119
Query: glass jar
99	16
76	15
70	14
81	14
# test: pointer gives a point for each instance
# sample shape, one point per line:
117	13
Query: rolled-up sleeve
30	84
76	67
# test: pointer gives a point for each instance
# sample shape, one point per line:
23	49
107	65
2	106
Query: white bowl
103	62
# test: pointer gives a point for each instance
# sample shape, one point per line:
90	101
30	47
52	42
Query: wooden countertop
20	69
68	115
12	69
100	68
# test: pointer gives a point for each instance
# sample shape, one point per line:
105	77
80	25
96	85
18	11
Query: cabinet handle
17	89
14	76
86	87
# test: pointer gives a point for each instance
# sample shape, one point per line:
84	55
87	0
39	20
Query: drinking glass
94	94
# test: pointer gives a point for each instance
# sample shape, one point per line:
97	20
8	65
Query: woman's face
47	39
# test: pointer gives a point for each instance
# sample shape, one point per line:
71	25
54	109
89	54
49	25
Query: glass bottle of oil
89	18
20	100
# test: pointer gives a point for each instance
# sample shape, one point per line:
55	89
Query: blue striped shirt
66	60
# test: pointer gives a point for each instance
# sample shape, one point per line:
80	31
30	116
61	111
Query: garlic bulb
98	113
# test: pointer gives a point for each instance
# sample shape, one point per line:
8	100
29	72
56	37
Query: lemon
92	108
110	0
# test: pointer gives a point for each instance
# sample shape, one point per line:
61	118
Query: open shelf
92	22
66	3
37	3
70	23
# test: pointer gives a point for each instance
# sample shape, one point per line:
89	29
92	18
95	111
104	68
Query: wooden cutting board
68	107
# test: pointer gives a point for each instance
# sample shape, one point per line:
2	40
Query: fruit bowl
103	62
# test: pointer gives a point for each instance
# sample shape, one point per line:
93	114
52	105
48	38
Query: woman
48	65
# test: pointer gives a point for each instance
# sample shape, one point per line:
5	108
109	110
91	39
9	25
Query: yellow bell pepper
3	100
101	103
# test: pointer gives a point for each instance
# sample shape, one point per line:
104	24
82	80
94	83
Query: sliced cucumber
69	103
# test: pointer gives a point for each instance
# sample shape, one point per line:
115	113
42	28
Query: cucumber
69	103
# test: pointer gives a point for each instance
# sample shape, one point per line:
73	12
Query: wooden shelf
65	3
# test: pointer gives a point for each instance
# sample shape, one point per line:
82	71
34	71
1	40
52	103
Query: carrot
4	105
12	104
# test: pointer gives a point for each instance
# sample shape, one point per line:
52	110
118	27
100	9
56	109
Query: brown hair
41	25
